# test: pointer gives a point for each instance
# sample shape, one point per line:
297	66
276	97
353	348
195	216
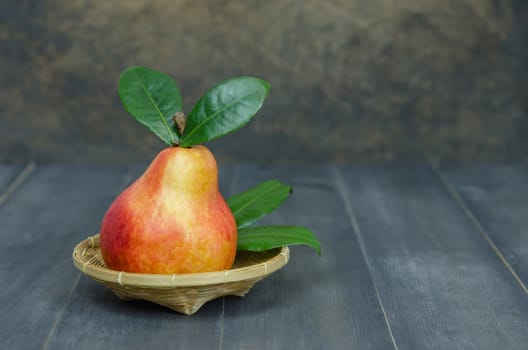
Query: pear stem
179	119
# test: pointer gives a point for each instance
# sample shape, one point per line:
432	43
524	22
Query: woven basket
184	293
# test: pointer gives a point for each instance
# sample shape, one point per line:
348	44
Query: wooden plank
8	173
440	283
11	177
41	221
496	196
315	302
95	318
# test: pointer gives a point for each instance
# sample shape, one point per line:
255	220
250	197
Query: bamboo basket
184	293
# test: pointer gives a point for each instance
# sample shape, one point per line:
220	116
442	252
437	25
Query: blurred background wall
352	80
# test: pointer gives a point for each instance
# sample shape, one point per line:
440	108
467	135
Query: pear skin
172	219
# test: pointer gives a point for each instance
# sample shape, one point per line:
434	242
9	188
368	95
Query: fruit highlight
173	219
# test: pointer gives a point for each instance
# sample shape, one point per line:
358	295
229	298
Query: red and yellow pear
172	219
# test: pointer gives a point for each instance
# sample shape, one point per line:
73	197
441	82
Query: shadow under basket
184	293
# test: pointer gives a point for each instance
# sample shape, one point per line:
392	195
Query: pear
172	219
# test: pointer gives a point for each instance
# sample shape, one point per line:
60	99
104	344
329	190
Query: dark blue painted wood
314	302
441	284
497	196
41	221
95	318
8	174
8	177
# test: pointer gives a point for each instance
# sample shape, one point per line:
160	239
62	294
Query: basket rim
250	272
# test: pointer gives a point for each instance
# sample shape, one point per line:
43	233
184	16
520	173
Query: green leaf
257	239
225	108
152	98
251	205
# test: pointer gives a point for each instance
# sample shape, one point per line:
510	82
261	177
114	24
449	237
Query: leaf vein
253	200
155	106
214	115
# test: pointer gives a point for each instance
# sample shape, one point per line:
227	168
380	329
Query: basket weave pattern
184	293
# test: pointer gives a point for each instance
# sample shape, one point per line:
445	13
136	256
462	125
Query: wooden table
414	257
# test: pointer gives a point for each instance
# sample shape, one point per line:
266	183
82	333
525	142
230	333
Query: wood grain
11	177
41	221
403	266
96	318
7	174
497	197
314	302
441	285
